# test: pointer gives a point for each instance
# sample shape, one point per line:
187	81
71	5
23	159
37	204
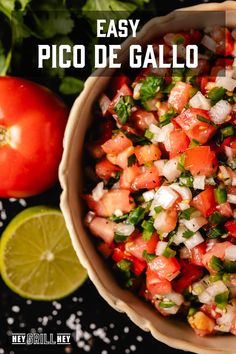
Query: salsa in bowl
159	208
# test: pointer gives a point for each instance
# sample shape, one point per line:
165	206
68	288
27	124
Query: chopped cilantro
216	218
205	120
120	237
230	266
221	300
148	134
169	253
123	108
148	256
216	94
158	209
186	214
148	228
166	118
167	304
221	195
216	263
124	264
150	86
188	233
135	216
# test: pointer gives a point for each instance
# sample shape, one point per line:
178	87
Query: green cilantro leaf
123	108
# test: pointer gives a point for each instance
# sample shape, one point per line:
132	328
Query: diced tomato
218	250
103	228
105	169
200	160
196	36
111	201
197	253
142	119
166	268
156	285
122	158
194	128
128	176
104	129
148	179
104	103
210	310
231	227
117	144
178	142
229	43
203	82
189	274
177	38
123	91
225	209
147	153
137	246
120	253
179	96
205	201
118	81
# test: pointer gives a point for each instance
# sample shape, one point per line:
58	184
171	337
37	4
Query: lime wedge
37	259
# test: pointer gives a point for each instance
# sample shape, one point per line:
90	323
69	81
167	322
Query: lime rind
64	275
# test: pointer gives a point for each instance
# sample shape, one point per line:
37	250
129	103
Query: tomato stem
3	135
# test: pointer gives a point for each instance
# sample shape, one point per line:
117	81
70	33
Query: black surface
124	337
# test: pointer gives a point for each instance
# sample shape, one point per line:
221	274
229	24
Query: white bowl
169	331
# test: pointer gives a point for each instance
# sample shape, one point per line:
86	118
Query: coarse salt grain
10	320
15	309
126	329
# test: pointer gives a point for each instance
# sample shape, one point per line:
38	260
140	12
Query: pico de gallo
162	190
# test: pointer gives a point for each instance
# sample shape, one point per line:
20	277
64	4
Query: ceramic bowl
170	331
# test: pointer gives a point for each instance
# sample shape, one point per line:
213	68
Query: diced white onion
89	217
226	82
171	310
178	237
184	192
160	220
98	191
225	321
165	197
220	111
194	240
170	170
200	101
159	164
149	195
231	198
199	286
177	298
231	153
199	182
208	295
209	43
161	246
230	253
136	92
184	253
225	175
195	223
165	131
183	205
118	212
125	229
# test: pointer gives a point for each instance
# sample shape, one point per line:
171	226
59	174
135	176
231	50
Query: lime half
37	259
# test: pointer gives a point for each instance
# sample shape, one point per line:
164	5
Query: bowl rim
65	206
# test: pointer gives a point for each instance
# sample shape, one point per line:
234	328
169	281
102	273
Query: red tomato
194	128
105	169
200	160
205	201
218	250
231	227
95	149
111	201
155	285
148	179
166	268
147	153
139	245
197	253
179	96
128	176
142	119
117	144
225	209
178	142
189	274
32	123
120	253
103	228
